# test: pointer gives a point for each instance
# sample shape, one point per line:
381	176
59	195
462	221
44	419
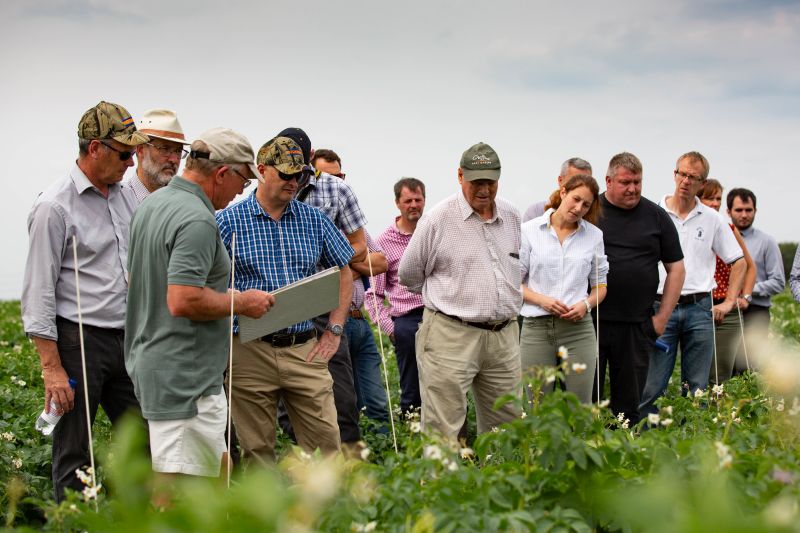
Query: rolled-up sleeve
414	265
47	233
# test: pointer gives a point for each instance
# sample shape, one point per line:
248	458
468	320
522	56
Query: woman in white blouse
563	258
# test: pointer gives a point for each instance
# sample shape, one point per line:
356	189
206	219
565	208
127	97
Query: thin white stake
83	364
228	466
597	311
714	337
383	355
744	343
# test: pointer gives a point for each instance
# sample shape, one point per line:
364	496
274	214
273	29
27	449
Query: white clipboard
296	302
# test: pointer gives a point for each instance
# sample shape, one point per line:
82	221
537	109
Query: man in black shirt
637	234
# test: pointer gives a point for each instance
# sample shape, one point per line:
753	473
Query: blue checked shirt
336	199
273	253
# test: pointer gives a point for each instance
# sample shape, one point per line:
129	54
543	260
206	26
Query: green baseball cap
228	146
480	162
282	153
110	121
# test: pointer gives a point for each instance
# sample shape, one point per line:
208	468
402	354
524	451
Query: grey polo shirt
173	360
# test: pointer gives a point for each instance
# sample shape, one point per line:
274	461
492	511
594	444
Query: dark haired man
770	276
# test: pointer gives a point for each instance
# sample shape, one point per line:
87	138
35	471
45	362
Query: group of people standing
155	255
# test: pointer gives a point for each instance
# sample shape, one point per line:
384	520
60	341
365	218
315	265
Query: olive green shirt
173	360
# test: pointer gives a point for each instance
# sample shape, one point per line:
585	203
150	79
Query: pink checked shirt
393	243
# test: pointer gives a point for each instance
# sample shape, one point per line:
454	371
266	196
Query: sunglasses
289	177
123	155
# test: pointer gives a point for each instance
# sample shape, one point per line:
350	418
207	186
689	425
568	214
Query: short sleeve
192	254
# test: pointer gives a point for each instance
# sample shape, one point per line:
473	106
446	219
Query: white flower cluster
724	455
563	353
431	451
8	436
16	462
623	421
578	368
358	528
90	491
717	390
18	382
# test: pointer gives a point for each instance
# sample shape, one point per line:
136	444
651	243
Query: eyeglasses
289	177
167	151
247	181
692	179
123	155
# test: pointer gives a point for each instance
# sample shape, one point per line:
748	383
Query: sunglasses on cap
123	155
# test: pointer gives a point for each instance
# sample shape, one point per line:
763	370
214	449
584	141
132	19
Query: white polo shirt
704	234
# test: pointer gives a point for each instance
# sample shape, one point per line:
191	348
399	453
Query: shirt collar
397	230
181	183
257	210
467	211
544	221
749	231
82	183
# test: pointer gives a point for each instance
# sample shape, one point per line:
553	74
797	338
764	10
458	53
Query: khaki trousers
261	374
453	356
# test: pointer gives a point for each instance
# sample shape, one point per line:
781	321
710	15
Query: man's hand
253	303
57	389
575	313
326	347
720	310
555	307
743	304
660	324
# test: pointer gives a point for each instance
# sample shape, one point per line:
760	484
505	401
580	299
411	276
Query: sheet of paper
301	300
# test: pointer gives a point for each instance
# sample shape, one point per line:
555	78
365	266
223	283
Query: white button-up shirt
564	271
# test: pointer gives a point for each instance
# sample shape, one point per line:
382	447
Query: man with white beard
160	158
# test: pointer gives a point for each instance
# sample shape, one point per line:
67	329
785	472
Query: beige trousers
451	357
261	374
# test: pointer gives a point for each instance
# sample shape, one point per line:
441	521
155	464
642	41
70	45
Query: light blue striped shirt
562	271
273	253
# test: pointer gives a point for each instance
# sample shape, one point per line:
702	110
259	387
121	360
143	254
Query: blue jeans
405	331
367	374
690	327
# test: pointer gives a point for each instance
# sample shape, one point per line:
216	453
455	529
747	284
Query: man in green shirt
177	325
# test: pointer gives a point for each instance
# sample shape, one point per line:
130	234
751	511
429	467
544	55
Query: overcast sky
402	88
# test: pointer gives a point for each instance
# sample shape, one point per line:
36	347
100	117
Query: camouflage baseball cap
480	162
228	146
282	153
110	121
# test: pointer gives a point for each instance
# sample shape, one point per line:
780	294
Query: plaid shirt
273	253
401	300
337	200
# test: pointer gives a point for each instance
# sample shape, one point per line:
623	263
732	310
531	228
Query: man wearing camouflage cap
159	159
176	349
464	260
280	241
91	205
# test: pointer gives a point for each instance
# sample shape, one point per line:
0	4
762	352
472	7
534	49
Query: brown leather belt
356	313
285	340
490	326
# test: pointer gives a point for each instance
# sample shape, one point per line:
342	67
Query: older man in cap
178	307
91	206
464	260
280	241
160	158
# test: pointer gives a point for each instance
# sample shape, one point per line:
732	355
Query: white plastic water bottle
47	421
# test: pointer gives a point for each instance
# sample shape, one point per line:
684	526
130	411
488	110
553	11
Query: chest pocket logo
700	234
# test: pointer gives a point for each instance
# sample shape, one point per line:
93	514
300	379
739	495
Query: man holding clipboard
281	241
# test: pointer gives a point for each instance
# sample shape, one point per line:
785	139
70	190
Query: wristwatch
336	329
748	298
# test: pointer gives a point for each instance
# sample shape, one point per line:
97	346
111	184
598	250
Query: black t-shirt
635	241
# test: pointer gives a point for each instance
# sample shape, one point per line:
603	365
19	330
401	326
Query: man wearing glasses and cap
91	205
464	259
176	347
280	241
160	158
